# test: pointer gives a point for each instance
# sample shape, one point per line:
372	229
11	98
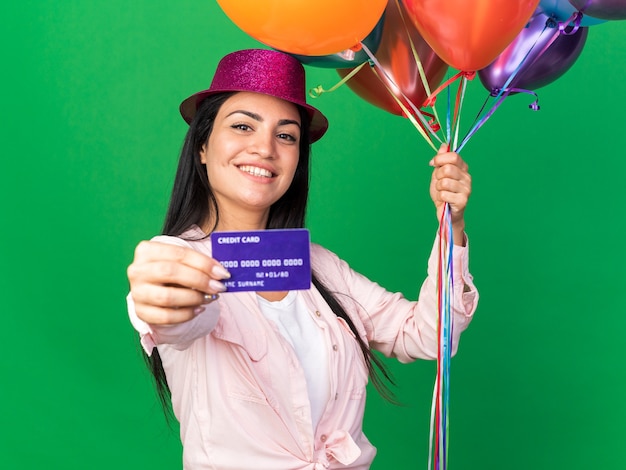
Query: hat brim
317	128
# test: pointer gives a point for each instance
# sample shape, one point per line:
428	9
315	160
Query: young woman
272	380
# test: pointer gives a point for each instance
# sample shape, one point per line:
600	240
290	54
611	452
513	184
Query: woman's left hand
451	183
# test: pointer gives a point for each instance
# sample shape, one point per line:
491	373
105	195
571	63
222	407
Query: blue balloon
605	9
561	10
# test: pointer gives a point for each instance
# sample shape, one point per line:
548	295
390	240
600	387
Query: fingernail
432	162
199	310
208	298
216	285
220	271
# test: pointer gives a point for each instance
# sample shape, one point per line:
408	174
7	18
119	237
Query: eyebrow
259	118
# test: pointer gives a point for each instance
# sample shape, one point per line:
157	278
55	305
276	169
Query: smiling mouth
256	171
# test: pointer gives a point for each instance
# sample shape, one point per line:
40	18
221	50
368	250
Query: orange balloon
401	76
470	34
306	27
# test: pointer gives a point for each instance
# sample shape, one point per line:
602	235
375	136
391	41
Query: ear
203	152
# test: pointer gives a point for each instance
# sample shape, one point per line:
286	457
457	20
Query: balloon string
448	114
434	123
460	96
432	98
439	423
420	67
418	125
446	332
317	91
429	125
535	104
423	125
453	115
561	28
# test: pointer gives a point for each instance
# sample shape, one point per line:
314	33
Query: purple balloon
605	9
545	63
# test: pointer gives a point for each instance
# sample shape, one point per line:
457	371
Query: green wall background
90	135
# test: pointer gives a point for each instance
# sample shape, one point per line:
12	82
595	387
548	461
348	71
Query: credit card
264	260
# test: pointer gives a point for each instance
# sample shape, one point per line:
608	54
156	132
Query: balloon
397	60
469	35
348	58
605	9
306	27
562	10
537	69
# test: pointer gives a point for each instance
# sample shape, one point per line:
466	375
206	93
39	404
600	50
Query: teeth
256	171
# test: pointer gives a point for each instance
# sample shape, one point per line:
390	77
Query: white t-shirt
298	327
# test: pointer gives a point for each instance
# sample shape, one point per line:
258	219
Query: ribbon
420	67
439	417
317	91
423	125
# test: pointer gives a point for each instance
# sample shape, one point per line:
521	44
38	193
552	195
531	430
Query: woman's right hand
170	284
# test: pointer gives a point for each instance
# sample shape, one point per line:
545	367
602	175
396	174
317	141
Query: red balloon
396	59
469	34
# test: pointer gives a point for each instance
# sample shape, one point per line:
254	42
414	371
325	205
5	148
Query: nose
263	143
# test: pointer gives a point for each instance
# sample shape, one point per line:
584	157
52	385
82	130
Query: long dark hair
192	202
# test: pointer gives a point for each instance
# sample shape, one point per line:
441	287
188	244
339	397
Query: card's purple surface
264	260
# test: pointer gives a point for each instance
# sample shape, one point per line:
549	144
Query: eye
291	138
241	127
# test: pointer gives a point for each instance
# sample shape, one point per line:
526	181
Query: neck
230	221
